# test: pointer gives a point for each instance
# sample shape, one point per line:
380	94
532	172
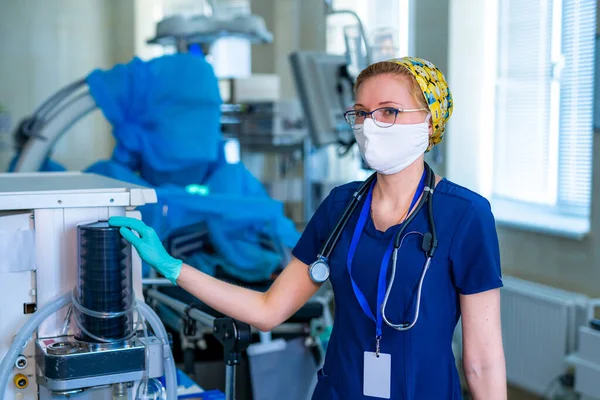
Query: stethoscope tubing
343	221
398	240
429	239
404	326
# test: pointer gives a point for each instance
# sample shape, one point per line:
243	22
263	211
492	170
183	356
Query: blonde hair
391	68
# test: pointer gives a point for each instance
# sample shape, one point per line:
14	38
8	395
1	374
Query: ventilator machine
74	321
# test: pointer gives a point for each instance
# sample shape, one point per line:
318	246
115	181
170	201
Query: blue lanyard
362	219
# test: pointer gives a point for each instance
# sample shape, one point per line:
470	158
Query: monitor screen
326	92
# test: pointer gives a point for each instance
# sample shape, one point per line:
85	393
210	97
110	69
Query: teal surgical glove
148	246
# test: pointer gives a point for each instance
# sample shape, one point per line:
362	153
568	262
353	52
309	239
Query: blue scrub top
467	261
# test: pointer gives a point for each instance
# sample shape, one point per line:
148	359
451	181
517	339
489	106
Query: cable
101	315
332	240
145	312
550	387
108	315
67	321
403	325
169	362
25	334
146	377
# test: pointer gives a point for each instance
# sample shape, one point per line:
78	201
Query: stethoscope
319	270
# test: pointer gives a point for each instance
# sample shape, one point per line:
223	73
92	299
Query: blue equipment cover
165	112
166	119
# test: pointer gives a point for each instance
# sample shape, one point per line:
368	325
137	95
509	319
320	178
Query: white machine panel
39	215
68	190
17	286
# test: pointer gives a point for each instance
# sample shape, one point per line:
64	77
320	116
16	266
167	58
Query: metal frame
38	133
233	335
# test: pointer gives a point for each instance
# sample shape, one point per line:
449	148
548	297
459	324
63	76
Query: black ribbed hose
104	282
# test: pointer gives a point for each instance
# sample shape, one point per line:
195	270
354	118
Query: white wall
296	25
428	39
470	74
429	30
146	14
45	45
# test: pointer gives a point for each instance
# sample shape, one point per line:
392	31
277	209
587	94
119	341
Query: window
544	106
386	24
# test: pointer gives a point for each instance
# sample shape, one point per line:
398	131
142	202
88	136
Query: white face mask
390	150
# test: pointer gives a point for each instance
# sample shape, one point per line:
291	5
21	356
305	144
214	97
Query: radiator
539	329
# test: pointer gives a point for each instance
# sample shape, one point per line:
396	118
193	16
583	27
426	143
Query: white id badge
377	375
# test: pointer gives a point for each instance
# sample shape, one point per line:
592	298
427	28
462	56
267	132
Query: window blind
523	101
577	106
544	103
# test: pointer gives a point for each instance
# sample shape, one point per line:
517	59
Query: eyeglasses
383	117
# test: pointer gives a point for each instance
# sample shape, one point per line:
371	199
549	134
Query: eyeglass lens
383	117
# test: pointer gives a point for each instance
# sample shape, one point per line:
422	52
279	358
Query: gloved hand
148	246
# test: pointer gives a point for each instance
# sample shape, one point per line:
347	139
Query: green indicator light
197	189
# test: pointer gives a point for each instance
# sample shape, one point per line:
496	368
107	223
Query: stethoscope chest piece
319	271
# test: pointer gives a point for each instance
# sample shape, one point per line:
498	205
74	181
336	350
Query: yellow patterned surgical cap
436	92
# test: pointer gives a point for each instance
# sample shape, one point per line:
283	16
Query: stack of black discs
104	282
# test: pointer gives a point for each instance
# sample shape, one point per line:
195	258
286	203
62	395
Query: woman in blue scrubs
401	110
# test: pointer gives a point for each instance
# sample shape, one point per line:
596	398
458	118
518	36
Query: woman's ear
430	124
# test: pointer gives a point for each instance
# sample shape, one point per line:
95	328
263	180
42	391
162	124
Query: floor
209	373
515	394
211	376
